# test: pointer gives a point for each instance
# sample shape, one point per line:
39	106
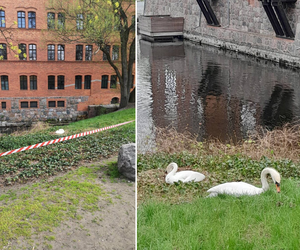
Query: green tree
8	35
101	22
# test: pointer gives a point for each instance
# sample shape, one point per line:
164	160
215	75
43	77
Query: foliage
49	160
100	22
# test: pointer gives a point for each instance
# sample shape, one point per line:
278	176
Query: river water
210	92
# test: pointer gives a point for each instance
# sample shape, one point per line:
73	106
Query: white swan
60	131
242	188
184	176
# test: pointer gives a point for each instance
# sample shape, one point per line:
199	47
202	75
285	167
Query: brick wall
244	27
76	100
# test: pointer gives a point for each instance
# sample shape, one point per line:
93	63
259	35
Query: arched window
78	82
60	82
31	20
4	82
3	51
113	81
60	52
33	82
51	82
51	52
88	52
32	52
115	100
51	20
87	82
2	19
21	20
22	48
23	82
104	82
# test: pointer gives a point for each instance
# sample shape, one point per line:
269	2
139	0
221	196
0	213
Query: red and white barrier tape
61	139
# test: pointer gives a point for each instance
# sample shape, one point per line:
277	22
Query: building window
22	54
31	20
60	52
2	19
79	52
61	21
87	82
78	82
60	82
33	104
88	52
3	51
32	52
104	82
33	82
23	82
24	105
51	82
60	104
21	19
4	82
107	48
115	52
51	20
114	100
3	105
51	52
113	82
51	104
79	22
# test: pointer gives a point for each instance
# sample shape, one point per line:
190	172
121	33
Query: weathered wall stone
43	113
245	27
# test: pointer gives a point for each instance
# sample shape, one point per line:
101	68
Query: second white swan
184	176
242	188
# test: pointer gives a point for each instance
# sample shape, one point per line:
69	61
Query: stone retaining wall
245	27
43	113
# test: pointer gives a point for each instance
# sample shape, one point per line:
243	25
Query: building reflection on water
217	94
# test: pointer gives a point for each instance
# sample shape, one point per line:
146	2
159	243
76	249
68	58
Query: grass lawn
42	205
179	216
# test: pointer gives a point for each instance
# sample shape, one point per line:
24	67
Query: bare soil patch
112	226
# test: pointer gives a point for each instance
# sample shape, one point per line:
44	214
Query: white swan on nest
242	188
60	131
184	176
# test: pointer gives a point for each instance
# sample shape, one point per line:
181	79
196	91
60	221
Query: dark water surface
210	92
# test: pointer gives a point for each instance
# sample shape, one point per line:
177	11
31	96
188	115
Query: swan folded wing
187	176
235	188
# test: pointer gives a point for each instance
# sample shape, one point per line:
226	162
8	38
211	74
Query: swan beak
278	187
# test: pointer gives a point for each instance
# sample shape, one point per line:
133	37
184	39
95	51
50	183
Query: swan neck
174	170
264	182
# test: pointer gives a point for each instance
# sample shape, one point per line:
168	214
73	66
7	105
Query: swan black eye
277	184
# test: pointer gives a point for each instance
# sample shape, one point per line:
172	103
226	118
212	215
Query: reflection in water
212	93
278	110
171	95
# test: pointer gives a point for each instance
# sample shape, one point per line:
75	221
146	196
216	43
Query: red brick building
49	80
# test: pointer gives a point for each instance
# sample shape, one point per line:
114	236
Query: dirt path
112	226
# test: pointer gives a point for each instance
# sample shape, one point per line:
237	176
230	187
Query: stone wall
245	27
43	113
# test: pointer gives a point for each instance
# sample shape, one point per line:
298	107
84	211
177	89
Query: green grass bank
180	216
